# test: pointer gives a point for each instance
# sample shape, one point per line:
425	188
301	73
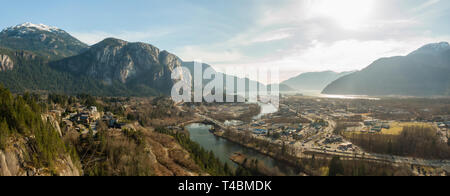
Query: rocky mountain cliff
44	40
15	161
6	63
133	64
44	58
424	72
30	142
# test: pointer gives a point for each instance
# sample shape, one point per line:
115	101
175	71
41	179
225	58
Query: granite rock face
114	60
6	64
14	161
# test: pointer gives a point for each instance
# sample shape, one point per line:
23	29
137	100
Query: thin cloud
282	34
425	5
271	36
189	53
94	37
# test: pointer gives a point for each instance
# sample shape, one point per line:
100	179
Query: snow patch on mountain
30	27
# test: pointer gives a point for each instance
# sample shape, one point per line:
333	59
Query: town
304	127
83	119
327	126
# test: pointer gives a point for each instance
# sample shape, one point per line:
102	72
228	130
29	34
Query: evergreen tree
336	168
21	116
4	134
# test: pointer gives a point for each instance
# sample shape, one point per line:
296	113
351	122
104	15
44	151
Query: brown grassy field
397	127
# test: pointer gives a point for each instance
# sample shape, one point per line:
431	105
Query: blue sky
295	35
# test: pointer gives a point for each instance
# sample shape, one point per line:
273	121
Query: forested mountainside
29	144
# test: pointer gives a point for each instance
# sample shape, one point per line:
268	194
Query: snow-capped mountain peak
44	40
433	48
30	27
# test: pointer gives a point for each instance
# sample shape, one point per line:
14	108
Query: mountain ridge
313	80
420	73
50	42
120	68
130	63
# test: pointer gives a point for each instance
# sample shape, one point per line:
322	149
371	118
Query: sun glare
349	14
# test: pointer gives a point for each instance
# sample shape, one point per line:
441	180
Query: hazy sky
295	35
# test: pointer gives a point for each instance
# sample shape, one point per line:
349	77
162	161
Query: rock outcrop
6	64
166	156
134	64
15	161
53	122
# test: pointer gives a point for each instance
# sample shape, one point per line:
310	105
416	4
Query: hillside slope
139	66
49	42
29	144
425	72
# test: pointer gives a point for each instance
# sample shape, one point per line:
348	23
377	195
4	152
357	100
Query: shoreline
269	154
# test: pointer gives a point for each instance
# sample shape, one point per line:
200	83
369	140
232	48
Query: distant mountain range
315	81
43	58
424	72
47	59
237	80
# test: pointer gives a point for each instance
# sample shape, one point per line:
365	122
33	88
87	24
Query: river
223	148
316	93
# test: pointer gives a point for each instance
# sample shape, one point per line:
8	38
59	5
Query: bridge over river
199	118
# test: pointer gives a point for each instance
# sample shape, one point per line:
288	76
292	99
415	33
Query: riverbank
254	165
225	148
292	164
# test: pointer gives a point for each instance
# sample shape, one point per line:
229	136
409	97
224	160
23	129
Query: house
84	119
345	146
260	131
73	114
332	140
93	126
369	122
447	123
93	109
111	122
377	129
289	132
